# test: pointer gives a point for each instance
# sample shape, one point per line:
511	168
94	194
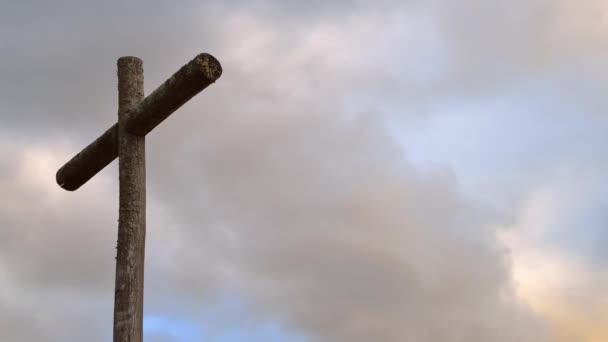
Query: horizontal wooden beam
188	81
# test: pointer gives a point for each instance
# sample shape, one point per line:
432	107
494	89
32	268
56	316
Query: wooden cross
137	116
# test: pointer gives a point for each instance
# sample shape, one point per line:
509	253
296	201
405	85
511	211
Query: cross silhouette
137	116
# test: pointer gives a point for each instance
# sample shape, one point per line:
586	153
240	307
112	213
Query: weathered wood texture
129	291
191	79
88	162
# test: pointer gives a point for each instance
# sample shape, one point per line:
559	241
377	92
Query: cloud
56	253
343	239
281	185
554	243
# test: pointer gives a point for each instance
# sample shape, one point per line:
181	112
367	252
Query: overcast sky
390	171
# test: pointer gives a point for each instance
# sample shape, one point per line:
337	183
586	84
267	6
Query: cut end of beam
209	65
92	159
188	81
129	60
59	177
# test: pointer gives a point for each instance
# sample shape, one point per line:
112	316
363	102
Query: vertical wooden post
129	291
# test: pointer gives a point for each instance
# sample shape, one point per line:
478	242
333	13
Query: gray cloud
280	184
343	243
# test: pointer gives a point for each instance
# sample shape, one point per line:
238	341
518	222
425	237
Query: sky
362	171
